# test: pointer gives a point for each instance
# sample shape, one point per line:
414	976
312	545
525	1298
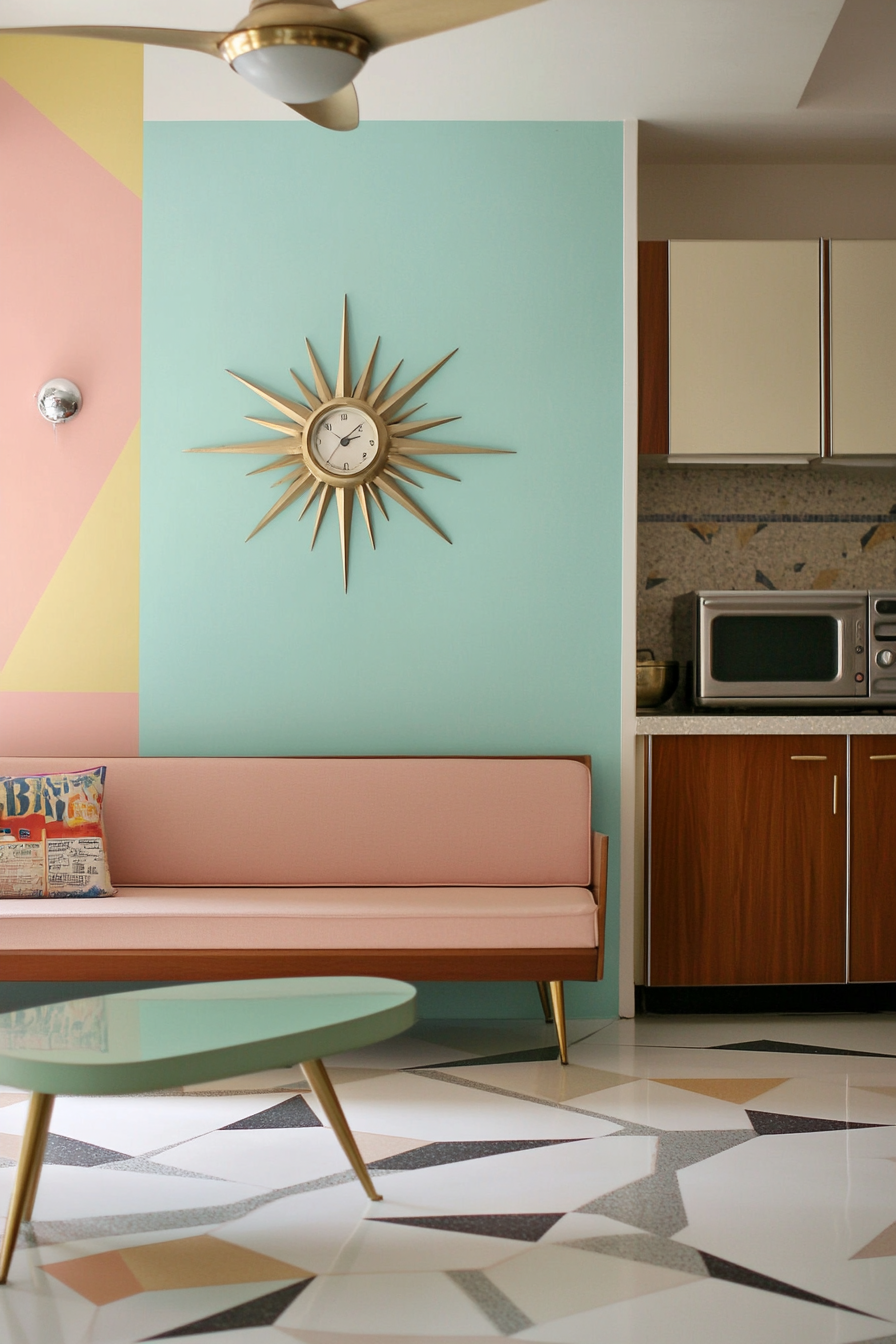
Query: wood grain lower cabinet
747	860
872	904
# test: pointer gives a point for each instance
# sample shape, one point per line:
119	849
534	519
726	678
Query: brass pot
657	680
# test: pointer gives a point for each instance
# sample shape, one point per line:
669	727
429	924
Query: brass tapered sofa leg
556	987
544	994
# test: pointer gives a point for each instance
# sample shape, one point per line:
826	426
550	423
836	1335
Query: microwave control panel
882	645
861	660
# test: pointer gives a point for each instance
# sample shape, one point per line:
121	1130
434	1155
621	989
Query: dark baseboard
855	998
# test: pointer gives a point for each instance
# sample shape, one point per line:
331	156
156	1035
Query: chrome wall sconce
59	400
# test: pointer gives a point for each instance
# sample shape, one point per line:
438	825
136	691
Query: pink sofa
423	868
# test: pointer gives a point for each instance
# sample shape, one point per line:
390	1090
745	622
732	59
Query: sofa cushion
344	822
52	841
307	917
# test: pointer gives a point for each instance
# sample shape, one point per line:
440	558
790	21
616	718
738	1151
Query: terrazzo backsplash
750	528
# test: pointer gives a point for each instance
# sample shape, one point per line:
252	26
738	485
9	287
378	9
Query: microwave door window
775	648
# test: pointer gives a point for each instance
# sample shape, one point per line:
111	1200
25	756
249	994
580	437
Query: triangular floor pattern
690	1260
294	1113
260	1311
511	1057
442	1154
511	1226
506	1212
767	1122
792	1048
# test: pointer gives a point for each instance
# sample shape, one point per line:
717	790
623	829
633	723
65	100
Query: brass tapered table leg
544	995
323	1089
559	1017
21	1204
261	1024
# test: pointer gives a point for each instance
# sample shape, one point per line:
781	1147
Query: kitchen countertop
701	725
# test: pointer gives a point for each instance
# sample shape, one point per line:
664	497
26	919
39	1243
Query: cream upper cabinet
744	349
863	348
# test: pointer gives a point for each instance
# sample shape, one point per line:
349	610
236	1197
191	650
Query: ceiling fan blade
185	38
339	112
387	22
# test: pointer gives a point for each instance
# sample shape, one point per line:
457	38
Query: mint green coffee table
147	1039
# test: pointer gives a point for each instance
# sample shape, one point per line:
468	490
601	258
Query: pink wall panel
69	723
70	273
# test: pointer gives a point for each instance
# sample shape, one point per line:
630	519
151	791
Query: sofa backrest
342	821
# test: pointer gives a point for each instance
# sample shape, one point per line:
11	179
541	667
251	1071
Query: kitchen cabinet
746	860
872	887
744	349
863	348
653	348
767	350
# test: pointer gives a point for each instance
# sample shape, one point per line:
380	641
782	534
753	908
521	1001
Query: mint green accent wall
504	239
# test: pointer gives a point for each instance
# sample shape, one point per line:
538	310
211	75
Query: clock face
343	441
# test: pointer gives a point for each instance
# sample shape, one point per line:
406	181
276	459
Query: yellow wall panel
93	91
83	635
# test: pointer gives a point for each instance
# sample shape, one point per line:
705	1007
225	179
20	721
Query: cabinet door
863	348
744	349
872	895
747	878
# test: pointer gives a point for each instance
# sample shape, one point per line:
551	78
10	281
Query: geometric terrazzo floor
727	1180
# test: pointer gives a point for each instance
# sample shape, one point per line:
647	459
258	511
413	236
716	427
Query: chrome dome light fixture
59	400
297	64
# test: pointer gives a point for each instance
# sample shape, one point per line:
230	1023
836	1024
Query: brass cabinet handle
814	758
882	758
835	795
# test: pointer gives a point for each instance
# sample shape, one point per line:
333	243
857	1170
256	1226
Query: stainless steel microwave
773	649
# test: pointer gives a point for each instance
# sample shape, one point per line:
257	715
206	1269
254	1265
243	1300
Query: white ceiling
712	80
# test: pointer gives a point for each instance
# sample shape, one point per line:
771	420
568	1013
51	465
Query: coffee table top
145	1039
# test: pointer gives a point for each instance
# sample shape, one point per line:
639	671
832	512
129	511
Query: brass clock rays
354	442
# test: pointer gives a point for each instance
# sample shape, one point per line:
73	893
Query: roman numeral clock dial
354	442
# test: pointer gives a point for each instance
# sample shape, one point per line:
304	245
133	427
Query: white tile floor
661	1190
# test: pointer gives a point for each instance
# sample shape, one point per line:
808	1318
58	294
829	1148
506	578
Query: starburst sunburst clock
353	441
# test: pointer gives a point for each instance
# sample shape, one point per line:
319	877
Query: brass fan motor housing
317	14
292	35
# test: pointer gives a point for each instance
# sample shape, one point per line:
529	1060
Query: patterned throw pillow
52	841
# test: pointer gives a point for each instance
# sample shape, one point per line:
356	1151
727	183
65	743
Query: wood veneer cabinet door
747	860
872	923
653	348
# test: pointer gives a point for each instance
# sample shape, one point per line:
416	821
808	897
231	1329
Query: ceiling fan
306	54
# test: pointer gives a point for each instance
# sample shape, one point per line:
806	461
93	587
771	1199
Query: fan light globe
297	74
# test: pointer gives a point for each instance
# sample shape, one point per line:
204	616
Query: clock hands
343	443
